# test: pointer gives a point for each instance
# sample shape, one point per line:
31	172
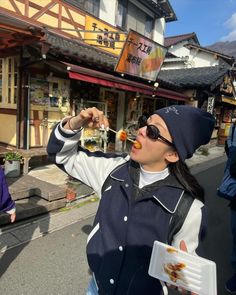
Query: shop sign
210	104
228	100
141	57
99	34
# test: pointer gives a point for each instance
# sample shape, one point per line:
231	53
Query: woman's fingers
13	217
93	117
183	246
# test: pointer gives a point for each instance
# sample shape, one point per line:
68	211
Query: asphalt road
56	263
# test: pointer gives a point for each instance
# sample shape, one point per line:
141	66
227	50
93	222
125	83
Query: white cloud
231	25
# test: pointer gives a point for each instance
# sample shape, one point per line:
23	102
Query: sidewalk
12	235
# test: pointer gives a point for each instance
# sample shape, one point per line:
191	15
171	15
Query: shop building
58	57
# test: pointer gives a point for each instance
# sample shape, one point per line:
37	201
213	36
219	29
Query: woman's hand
90	117
13	217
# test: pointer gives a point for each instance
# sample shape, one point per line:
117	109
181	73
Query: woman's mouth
137	145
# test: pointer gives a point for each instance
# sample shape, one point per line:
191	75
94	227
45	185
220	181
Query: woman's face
154	154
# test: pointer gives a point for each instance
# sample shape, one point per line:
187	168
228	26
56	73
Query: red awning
107	83
108	80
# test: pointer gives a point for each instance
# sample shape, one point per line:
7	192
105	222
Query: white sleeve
92	168
191	228
13	210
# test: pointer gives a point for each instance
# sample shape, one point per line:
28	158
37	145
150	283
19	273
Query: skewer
127	138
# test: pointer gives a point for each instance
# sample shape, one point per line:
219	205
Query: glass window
148	26
91	6
140	21
8	81
121	14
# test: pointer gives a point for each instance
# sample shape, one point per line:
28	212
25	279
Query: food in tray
181	269
171	250
174	271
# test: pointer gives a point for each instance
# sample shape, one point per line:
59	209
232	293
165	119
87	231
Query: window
8	81
121	14
148	26
139	21
91	6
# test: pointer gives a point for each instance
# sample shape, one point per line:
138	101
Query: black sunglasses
153	133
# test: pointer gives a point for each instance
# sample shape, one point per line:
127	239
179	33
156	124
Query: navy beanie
189	127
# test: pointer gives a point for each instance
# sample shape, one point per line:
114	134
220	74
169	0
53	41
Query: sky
211	20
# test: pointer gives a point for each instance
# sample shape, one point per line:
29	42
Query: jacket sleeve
193	229
92	168
6	202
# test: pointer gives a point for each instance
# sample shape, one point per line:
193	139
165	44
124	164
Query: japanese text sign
101	35
141	57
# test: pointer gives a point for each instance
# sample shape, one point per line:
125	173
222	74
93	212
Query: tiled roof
179	38
80	51
195	77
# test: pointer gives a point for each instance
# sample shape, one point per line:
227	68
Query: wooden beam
27	8
73	22
43	10
14	29
15	7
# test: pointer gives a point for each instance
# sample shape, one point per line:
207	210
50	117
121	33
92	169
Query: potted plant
12	161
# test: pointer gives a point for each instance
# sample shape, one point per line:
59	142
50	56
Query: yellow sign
99	34
228	100
141	57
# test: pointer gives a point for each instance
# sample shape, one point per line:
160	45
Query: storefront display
93	139
49	103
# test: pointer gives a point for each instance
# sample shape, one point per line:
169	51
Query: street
56	263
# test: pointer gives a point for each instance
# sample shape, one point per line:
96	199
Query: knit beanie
189	127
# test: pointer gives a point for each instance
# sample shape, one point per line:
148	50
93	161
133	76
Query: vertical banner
210	104
141	57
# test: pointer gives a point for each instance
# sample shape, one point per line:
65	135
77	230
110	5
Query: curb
15	235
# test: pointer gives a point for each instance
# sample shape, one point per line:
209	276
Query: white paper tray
182	269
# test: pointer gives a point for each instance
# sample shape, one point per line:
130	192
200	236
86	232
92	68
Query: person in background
139	192
231	153
7	205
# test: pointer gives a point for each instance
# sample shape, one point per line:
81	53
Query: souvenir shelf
94	139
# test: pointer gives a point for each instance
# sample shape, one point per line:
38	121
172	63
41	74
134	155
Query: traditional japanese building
59	56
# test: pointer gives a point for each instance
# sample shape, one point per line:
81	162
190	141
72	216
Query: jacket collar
158	190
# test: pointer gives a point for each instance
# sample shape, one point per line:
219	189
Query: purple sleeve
6	202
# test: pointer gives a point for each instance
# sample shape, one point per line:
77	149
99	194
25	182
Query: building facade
59	56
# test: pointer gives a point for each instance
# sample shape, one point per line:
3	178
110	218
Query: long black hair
189	182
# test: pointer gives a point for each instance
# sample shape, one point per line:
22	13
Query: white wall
108	10
179	49
107	13
159	29
203	59
196	58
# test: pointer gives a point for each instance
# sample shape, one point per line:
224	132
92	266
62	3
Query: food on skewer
137	144
123	136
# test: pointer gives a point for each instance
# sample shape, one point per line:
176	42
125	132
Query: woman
139	193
